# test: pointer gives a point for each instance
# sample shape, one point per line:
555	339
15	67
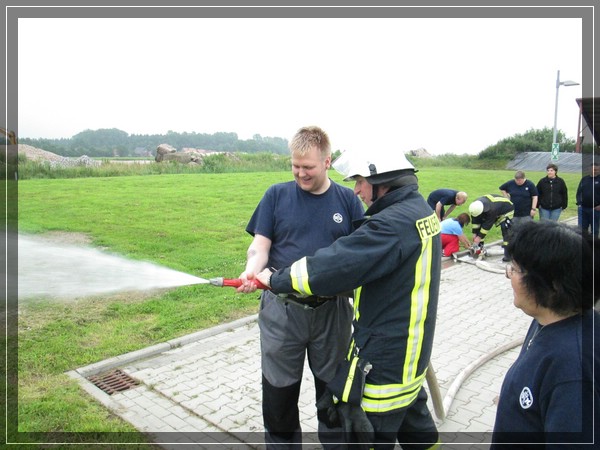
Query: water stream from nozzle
56	270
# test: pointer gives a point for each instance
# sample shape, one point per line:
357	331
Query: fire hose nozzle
234	282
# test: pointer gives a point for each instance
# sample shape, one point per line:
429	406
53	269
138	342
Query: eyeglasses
510	269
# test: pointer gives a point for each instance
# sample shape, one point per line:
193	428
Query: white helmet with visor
376	167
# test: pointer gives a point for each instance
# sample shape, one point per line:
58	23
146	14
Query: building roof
590	110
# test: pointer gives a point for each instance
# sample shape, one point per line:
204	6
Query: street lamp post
558	84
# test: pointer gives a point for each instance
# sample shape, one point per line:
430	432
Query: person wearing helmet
490	210
392	262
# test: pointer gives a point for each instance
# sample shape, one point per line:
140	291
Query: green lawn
193	223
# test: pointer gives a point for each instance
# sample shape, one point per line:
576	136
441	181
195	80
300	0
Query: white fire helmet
476	208
376	167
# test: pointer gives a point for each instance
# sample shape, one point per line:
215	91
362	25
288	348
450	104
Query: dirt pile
39	155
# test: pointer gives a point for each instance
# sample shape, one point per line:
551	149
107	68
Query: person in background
588	200
392	262
523	194
550	394
553	194
452	234
440	198
487	211
293	220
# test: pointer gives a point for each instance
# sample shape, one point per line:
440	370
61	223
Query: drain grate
114	381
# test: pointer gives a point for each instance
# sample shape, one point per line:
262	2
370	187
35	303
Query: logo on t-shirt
338	218
526	398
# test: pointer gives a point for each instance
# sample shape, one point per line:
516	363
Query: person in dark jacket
553	195
588	200
550	394
392	262
490	210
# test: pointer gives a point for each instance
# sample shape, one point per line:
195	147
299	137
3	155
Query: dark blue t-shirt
446	197
548	393
299	223
520	196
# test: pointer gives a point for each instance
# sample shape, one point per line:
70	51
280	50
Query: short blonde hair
308	137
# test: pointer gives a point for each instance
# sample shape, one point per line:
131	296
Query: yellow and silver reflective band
356	302
299	275
496	199
388	397
508	215
419	301
349	380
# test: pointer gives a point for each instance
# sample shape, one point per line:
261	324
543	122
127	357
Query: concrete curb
137	355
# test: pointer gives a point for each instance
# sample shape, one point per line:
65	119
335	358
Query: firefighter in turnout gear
392	262
490	210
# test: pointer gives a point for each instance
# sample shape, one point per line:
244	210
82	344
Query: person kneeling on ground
452	234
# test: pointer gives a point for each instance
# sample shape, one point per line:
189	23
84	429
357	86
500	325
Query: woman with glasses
548	395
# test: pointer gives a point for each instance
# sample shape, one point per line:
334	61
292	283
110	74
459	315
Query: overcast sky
446	85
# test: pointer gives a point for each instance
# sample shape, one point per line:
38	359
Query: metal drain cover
113	381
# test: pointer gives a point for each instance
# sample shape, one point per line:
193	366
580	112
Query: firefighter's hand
327	404
356	426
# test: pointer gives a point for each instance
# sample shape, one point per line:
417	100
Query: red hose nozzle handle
235	282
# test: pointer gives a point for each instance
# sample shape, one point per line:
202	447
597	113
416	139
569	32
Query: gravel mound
39	155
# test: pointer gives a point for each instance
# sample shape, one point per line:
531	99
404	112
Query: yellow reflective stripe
356	302
351	348
491	198
299	275
500	219
349	380
418	310
379	399
375	391
379	406
435	446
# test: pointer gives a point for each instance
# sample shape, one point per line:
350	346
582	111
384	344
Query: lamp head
569	83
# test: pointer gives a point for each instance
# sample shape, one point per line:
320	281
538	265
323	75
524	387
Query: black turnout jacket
392	261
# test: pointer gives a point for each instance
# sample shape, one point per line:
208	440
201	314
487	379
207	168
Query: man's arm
448	211
534	201
438	210
257	258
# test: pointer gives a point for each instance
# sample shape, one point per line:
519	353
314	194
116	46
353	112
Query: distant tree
531	141
111	142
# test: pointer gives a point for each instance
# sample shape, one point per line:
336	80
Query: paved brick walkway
205	387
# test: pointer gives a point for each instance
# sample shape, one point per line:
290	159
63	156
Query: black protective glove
342	401
356	426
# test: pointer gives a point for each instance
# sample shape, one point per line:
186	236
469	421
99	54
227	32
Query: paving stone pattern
206	388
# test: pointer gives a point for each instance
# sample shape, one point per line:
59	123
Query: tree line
114	143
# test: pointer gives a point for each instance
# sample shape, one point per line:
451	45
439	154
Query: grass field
193	223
